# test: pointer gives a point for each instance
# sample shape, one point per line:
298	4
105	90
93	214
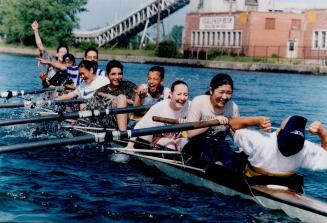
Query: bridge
132	24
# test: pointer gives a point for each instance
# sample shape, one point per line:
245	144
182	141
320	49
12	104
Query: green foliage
176	35
150	46
57	19
167	48
87	44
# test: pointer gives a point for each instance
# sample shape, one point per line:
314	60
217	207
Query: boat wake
120	157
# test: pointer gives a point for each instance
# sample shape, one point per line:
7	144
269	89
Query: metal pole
158	23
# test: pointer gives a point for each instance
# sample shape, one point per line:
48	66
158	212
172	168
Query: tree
167	48
57	19
176	34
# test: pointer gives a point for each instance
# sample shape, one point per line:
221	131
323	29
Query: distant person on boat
209	144
92	54
282	152
153	91
68	75
118	93
176	107
61	51
90	81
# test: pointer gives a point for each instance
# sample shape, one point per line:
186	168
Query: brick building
255	28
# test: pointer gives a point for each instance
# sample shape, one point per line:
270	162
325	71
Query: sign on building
217	22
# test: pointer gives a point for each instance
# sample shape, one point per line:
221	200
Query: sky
106	12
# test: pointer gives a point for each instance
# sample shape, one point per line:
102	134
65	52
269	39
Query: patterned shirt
126	88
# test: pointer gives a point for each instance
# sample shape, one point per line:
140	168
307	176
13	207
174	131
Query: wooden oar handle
165	120
198	124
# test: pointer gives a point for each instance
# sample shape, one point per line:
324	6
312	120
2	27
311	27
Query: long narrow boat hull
293	204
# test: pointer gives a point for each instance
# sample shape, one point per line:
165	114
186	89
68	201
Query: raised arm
246	121
55	64
317	128
38	41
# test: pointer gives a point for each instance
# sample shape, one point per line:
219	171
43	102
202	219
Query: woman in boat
209	144
90	81
175	107
153	91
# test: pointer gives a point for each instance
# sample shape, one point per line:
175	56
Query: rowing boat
228	182
215	177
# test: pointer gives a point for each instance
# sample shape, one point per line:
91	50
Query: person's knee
121	101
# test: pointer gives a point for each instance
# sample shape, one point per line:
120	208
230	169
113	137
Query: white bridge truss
132	24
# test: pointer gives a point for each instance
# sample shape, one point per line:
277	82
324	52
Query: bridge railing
131	24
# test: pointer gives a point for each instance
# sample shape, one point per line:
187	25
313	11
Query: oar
165	120
14	93
73	115
33	104
109	136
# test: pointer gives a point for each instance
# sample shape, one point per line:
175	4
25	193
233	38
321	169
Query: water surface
83	184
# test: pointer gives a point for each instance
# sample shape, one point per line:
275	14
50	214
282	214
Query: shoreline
244	66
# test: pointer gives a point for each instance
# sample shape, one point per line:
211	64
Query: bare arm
54	64
38	41
317	128
191	133
245	121
70	95
139	95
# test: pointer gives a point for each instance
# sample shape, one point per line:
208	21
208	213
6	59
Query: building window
270	23
200	4
323	41
319	39
296	24
203	38
193	39
223	39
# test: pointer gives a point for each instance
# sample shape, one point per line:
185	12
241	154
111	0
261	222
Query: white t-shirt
161	109
263	152
201	109
87	90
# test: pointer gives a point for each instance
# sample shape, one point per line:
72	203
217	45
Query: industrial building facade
255	28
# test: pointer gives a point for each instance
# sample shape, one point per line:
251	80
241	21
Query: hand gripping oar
9	94
73	115
33	104
109	136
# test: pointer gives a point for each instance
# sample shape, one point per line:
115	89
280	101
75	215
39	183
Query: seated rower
153	91
209	145
118	93
282	152
92	54
67	69
175	107
91	82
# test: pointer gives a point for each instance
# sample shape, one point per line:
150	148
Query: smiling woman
209	143
175	107
91	82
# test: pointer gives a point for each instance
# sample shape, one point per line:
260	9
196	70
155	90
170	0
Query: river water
84	184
